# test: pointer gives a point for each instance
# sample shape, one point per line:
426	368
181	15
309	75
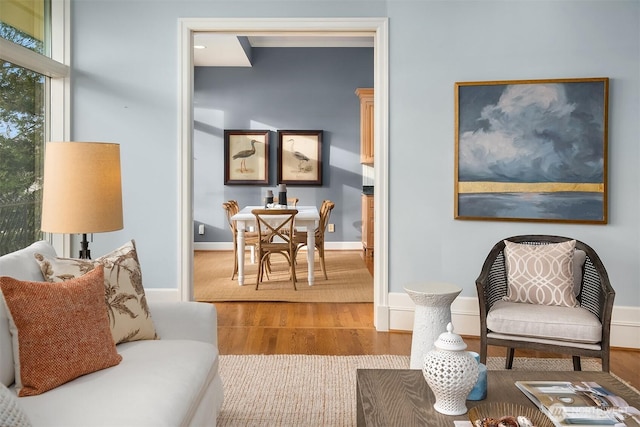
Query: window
27	23
21	140
30	94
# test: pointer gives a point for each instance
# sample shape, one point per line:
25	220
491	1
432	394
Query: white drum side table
432	314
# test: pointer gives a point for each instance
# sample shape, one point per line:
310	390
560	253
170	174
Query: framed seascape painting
300	157
532	150
246	157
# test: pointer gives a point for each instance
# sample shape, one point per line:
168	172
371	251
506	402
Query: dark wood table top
401	397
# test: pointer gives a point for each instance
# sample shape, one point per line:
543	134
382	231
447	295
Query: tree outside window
22	130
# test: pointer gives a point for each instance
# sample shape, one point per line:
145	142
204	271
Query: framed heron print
300	157
532	150
246	157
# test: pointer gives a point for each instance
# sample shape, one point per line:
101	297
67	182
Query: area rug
307	390
349	279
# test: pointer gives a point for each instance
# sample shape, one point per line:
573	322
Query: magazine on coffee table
580	404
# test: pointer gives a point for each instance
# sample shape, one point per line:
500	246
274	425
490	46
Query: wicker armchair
595	302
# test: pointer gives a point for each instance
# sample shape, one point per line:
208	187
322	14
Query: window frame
57	71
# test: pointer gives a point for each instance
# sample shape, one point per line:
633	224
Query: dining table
307	217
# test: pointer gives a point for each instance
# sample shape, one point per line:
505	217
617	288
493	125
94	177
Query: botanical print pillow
60	331
540	274
129	315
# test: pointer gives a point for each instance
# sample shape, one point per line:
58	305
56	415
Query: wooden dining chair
300	237
231	208
234	204
275	228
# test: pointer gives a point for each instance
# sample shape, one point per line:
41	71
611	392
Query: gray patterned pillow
129	316
540	274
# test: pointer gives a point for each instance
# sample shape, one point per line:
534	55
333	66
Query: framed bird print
246	157
300	157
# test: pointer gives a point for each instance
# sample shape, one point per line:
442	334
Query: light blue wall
502	40
286	88
125	90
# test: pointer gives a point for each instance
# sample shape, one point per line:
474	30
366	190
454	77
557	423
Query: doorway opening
356	27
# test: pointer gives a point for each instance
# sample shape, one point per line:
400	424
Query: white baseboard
625	327
212	246
227	246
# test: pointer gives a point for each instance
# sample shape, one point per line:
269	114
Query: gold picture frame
532	150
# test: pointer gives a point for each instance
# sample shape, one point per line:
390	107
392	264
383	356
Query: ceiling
226	50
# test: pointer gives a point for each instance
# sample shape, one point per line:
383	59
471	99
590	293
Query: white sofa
171	381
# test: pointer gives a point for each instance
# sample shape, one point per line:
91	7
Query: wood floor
343	329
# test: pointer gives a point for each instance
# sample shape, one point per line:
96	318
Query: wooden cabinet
366	125
367	224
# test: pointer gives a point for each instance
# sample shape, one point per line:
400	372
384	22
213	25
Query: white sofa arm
182	320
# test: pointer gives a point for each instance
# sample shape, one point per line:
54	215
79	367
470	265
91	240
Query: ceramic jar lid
449	341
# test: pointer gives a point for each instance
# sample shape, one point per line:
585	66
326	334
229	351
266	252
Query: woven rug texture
307	390
349	280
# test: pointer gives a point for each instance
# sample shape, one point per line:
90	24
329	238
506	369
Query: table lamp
82	190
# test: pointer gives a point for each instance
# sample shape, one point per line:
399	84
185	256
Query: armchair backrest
596	293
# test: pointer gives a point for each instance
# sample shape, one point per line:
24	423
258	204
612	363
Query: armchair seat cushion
572	324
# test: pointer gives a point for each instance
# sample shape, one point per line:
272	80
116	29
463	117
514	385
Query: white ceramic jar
451	373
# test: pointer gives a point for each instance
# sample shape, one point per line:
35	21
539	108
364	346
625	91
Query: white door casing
378	29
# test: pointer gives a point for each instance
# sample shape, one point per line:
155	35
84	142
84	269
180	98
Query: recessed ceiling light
198	46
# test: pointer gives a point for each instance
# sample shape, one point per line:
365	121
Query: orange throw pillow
60	331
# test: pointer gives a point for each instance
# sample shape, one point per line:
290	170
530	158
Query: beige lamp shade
82	189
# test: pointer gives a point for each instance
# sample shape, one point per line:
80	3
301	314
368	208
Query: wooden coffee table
401	397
